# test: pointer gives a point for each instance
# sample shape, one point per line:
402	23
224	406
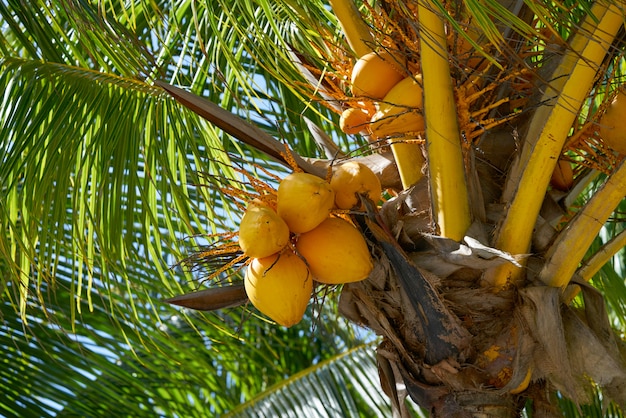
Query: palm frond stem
590	267
602	256
409	160
571	245
354	27
239	128
445	157
547	133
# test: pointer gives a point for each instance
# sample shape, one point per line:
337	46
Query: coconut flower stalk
547	133
445	158
409	160
399	117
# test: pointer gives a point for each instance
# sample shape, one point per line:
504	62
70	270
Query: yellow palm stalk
445	157
547	133
409	160
354	28
572	244
602	256
595	263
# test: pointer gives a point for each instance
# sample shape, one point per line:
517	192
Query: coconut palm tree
133	135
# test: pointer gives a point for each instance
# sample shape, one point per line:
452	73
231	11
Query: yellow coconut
279	286
262	232
268	199
374	74
401	109
354	120
612	124
304	201
562	176
351	179
336	252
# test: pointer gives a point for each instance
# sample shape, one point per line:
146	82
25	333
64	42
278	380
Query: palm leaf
174	361
346	385
86	143
98	155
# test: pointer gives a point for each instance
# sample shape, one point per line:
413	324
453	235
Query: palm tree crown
133	136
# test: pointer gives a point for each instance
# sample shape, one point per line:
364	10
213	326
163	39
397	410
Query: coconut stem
572	244
445	156
548	131
354	28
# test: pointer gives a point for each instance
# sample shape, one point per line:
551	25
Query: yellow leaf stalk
572	244
547	134
595	263
524	384
445	157
354	28
602	256
409	160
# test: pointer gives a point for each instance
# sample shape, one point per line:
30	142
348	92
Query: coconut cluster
297	239
381	76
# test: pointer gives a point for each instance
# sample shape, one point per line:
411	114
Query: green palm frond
100	170
172	362
346	385
75	33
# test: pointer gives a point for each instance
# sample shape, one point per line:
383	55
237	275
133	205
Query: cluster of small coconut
381	76
297	239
